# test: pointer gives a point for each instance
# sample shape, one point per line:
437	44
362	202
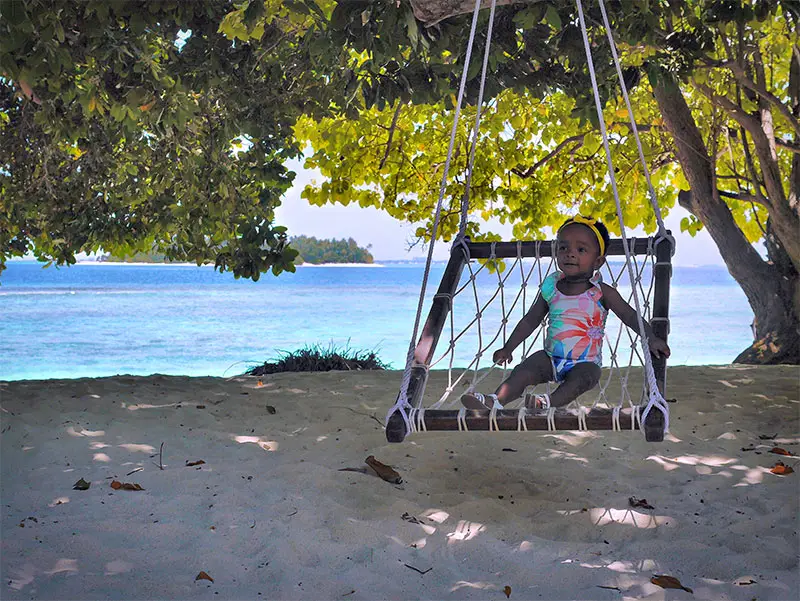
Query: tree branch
747	121
788	145
563	144
748	83
391	135
743	196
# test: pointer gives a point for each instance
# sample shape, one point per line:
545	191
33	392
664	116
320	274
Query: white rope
462	227
662	229
615	425
421	425
522	425
656	400
493	425
462	420
551	419
582	411
402	405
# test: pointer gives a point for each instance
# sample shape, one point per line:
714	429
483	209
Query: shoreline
397	371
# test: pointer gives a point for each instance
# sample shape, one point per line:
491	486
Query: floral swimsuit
576	325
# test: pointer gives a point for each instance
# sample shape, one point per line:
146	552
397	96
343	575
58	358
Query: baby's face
578	251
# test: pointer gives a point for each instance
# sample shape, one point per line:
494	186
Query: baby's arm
627	314
530	321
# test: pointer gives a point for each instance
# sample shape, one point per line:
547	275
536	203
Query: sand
270	514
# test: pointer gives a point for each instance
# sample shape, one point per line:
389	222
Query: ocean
94	320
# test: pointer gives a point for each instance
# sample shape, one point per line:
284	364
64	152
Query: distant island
137	258
315	251
312	251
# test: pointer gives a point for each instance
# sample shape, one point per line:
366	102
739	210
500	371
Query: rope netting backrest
656	400
488	302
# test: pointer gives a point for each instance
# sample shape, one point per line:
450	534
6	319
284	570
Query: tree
134	126
716	89
315	251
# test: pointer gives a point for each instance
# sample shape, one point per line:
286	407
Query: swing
490	309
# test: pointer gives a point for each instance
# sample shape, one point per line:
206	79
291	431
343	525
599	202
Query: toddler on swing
576	302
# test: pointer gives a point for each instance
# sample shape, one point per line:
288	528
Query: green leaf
552	17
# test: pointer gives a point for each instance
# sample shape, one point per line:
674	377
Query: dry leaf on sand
384	471
193	463
669	582
781	469
82	485
507	591
780	451
634	502
203	576
117	485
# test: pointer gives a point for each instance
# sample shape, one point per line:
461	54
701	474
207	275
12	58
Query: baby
577	302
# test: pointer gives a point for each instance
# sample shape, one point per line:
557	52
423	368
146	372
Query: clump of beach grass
318	358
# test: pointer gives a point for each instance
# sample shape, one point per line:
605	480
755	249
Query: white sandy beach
269	514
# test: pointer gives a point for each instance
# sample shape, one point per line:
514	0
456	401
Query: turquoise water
99	320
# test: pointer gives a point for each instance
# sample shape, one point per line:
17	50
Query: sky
390	238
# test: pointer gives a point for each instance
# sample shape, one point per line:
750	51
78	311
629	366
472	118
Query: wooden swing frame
508	419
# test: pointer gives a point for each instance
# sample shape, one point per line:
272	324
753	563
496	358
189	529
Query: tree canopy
130	126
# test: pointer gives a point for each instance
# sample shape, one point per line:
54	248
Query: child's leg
581	378
536	369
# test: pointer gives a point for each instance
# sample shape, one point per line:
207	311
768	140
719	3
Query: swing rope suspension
405	417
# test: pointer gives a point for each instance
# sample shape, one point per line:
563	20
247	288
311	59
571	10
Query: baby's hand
502	356
658	347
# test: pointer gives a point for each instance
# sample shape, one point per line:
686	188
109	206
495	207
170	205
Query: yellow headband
590	223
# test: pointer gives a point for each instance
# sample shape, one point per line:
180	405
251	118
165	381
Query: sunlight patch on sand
465	530
482	586
73	432
752	476
267	445
63	565
118	566
102	457
602	516
23	577
556	454
704	463
574	439
138	448
436	515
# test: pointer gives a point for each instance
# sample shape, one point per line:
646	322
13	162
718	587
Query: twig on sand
160	455
417	569
359	413
138	469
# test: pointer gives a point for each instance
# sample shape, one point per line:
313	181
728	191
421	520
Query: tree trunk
431	12
772	288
